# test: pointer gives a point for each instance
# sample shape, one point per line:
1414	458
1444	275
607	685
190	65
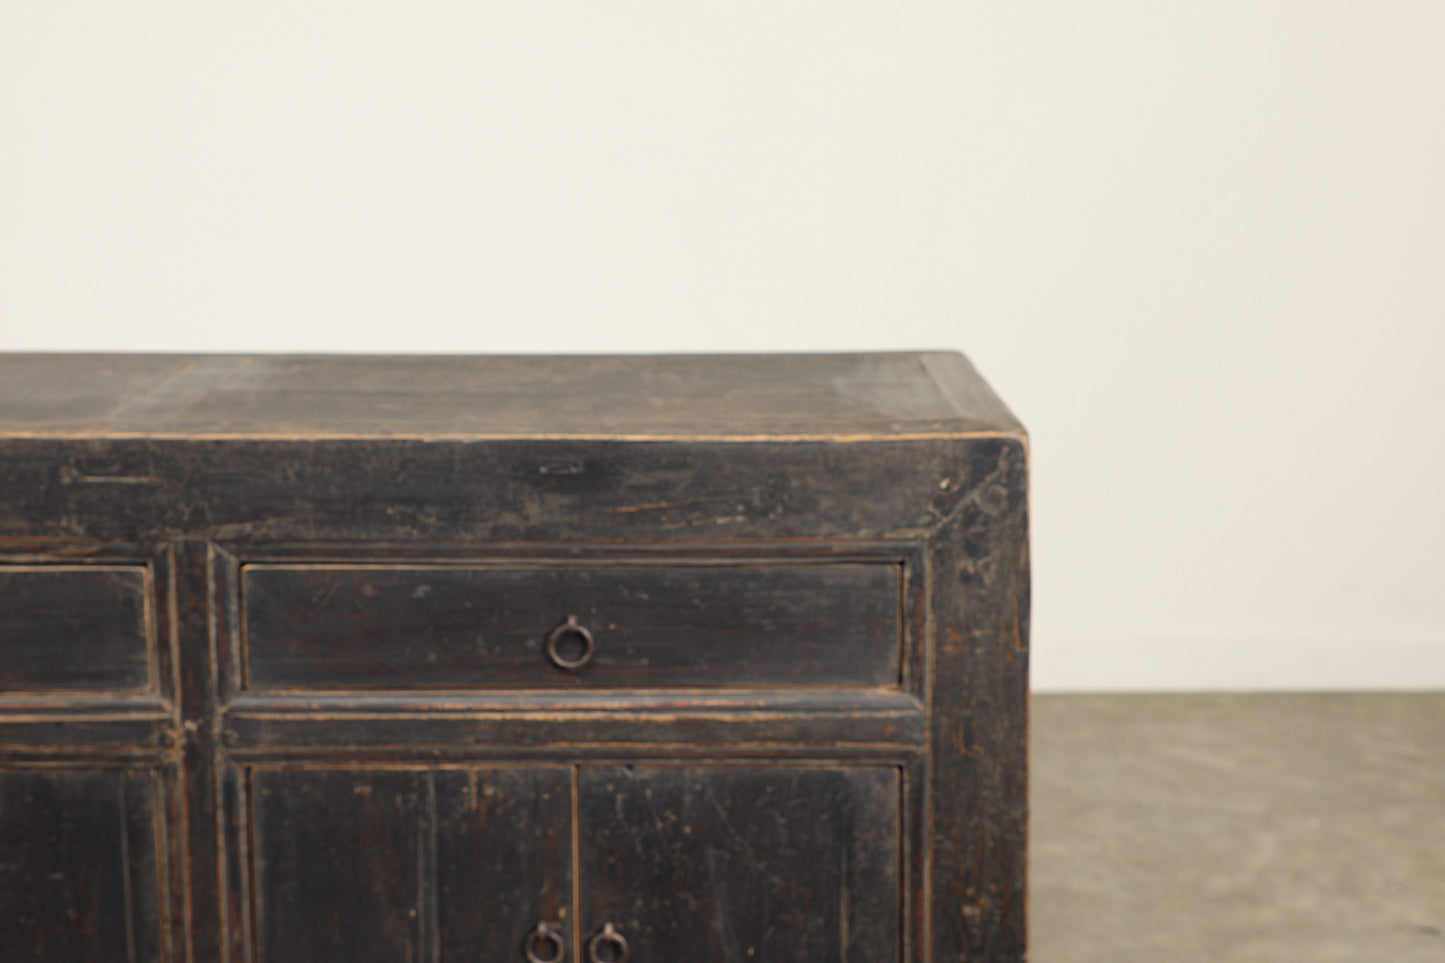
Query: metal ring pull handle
609	946
576	629
545	938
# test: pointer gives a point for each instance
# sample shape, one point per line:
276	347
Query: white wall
1200	248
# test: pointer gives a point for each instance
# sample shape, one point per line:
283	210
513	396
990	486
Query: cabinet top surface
673	397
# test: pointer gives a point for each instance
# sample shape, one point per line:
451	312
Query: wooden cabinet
429	660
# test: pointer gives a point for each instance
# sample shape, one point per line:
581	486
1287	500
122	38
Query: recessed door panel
79	865
393	865
741	863
504	860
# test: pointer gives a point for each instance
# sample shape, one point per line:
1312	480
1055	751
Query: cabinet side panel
979	591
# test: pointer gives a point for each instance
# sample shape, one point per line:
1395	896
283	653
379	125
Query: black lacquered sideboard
435	659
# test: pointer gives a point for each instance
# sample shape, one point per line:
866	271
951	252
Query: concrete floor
1238	829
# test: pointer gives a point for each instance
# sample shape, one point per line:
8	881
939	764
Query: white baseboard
1262	663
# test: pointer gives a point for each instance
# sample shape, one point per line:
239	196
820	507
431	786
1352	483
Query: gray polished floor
1238	829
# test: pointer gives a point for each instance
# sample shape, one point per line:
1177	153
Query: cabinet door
419	865
79	860
734	863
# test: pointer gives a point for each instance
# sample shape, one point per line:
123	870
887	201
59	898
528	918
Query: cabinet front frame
783	726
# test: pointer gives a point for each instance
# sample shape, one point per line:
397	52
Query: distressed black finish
272	663
675	624
733	863
100	612
80	871
407	864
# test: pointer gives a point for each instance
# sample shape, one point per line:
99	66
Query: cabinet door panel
79	866
395	865
504	861
743	863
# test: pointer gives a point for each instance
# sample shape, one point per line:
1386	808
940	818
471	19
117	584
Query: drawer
74	627
681	623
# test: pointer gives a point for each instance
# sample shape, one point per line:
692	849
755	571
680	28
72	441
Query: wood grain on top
631	396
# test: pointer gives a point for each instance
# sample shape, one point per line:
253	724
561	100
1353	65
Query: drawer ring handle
573	628
543	937
609	937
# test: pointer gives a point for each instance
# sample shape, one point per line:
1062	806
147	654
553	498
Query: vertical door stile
577	922
427	882
204	912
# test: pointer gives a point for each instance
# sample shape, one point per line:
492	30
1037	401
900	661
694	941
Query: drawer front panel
73	627
685	624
